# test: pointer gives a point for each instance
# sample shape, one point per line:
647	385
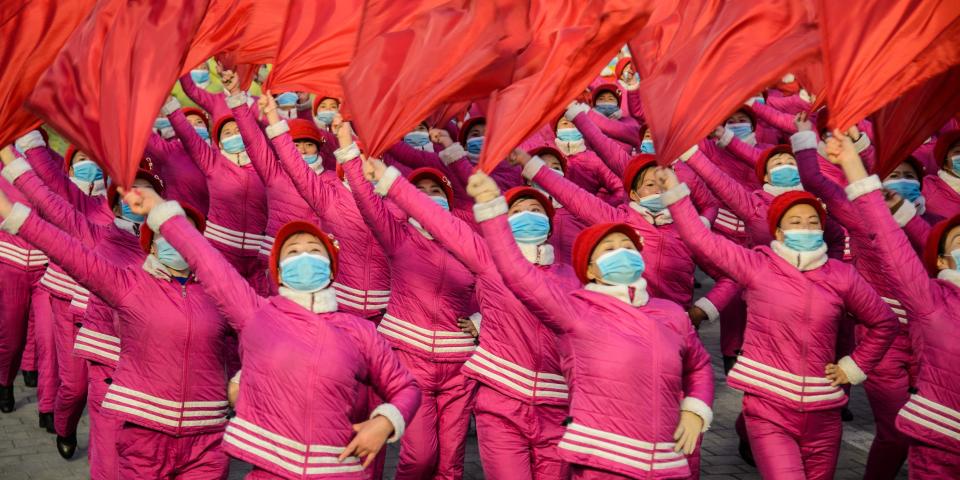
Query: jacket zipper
806	337
186	356
436	299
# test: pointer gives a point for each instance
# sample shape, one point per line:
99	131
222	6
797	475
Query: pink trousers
14	311
47	380
434	442
788	444
888	389
71	369
28	359
581	472
146	453
927	462
104	428
519	440
733	320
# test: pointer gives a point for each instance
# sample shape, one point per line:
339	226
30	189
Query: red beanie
932	250
301	129
761	165
622	64
319	98
155	181
749	113
552	151
435	175
465	128
636	166
146	235
68	157
198	112
606	87
293	228
944	142
519	193
783	202
586	242
218	126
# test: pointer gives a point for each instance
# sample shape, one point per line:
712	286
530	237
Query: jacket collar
152	265
634	294
537	254
803	261
132	228
777	191
950	180
952	276
240	159
571	148
661	218
321	301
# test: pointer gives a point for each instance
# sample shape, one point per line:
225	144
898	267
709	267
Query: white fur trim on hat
704	303
18	214
32	139
726	138
804	140
862	187
675	194
16	168
489	210
237	99
905	213
345	154
390	175
163	212
575	108
171	105
852	370
533	167
391	413
452	153
700	408
276	129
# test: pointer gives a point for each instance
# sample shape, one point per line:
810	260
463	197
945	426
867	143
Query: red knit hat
749	113
293	228
783	202
537	151
319	98
218	126
761	165
155	181
435	175
636	166
606	87
944	142
622	64
522	192
586	242
146	235
935	240
198	112
917	167
301	129
68	157
465	128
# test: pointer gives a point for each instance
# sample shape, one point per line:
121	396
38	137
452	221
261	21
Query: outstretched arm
577	200
51	169
383	225
261	154
205	156
206	100
611	152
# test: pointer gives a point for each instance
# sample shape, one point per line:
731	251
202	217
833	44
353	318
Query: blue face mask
955	161
474	145
125	212
606	109
87	171
654	203
287	99
233	144
621	266
169	256
905	187
203	132
530	227
325	116
803	240
311	159
784	176
306	272
200	77
416	139
741	130
569	135
646	146
956	259
161	123
442	201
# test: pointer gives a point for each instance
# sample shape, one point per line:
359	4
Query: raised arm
635	104
749	155
577	200
261	154
788	104
782	121
158	147
50	168
206	100
808	162
611	152
204	155
626	129
730	192
384	226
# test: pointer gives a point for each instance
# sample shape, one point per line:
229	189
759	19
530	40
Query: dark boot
30	378
728	363
846	415
6	399
746	453
46	422
67	446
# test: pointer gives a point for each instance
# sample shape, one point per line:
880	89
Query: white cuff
163	212
345	154
626	87
788	78
237	99
853	372
452	153
803	140
704	303
13	222
862	187
575	108
172	105
386	181
276	129
476	318
391	413
489	210
706	222
236	378
533	167
904	214
689	153
862	143
726	138
32	139
675	194
700	408
16	168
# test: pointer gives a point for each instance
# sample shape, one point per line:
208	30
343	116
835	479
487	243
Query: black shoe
30	378
746	453
46	422
67	446
846	415
6	399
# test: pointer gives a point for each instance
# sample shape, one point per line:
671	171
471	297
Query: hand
666	179
519	156
687	432
718	132
893	200
466	326
836	375
840	149
268	107
482	188
373	169
303	97
343	130
854	133
370	437
697	316
141	200
803	123
230	81
6	155
441	136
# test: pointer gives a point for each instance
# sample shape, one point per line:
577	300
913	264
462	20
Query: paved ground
26	452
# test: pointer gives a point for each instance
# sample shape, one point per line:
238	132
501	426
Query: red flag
878	50
446	112
695	87
249	30
105	88
382	16
447	55
245	71
32	35
902	125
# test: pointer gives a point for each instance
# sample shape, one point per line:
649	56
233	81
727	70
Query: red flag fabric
570	42
318	44
32	35
382	16
245	71
902	125
249	30
105	88
446	112
447	55
878	50
693	88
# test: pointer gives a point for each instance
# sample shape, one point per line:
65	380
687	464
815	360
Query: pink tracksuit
238	213
170	384
942	198
605	432
212	103
363	277
931	415
522	398
791	410
430	290
186	181
286	347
